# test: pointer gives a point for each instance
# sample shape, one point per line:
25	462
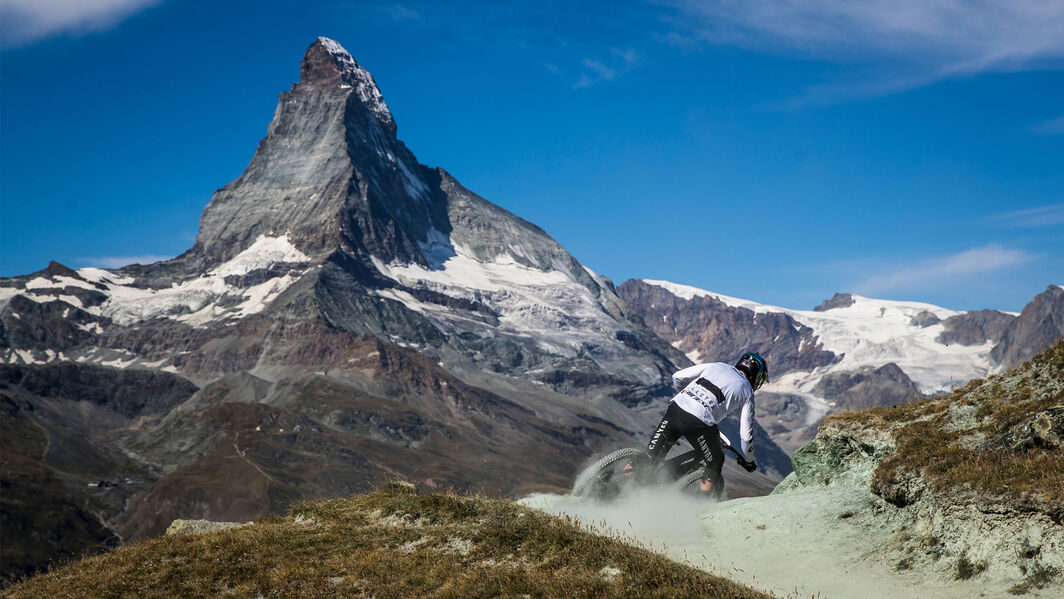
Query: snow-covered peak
358	78
689	293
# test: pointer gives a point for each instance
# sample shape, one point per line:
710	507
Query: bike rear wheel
605	472
689	482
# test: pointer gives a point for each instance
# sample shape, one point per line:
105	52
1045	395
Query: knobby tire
587	478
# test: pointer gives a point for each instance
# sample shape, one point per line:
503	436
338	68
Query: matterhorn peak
326	64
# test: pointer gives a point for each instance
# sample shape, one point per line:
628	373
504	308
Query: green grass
392	543
979	459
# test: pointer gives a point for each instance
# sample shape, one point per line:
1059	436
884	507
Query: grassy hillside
994	439
393	543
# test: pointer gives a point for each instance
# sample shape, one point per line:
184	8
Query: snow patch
689	293
195	301
106	277
546	307
263	253
437	249
414	187
39	283
464	272
6	294
125	360
93	327
31	356
47	299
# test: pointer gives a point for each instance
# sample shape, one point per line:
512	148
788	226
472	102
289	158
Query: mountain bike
630	468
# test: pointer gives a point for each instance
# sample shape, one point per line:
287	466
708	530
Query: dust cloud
821	543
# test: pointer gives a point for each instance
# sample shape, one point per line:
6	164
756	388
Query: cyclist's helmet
755	369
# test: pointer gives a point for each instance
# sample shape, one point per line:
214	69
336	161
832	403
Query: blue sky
776	151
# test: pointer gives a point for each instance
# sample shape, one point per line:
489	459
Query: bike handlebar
738	456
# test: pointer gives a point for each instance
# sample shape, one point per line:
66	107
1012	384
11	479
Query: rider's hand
749	466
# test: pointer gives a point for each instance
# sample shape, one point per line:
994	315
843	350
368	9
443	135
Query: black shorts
704	437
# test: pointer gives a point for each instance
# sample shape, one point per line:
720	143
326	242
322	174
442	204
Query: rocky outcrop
841	452
965	486
1044	430
1037	327
43	323
198	527
926	318
975	327
941	538
839	300
868	387
789	419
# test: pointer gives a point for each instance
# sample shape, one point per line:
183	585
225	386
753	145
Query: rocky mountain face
346	315
976	328
847	353
334	220
709	330
1040	324
885	386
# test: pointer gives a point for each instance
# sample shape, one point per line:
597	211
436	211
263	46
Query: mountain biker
708	393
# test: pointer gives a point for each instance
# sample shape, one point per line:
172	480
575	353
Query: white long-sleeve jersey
712	391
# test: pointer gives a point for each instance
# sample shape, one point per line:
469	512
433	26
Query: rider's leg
707	440
667	433
664	437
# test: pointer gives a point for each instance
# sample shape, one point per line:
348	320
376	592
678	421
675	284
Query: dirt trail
805	543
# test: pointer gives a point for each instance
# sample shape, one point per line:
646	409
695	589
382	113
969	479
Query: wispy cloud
619	62
1050	127
943	272
910	43
400	12
26	21
1041	216
596	72
119	261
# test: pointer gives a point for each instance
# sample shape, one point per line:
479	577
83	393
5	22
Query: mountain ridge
849	352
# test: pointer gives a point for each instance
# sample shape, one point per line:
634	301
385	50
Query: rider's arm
684	377
746	429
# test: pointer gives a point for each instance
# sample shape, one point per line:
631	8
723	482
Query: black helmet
755	369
